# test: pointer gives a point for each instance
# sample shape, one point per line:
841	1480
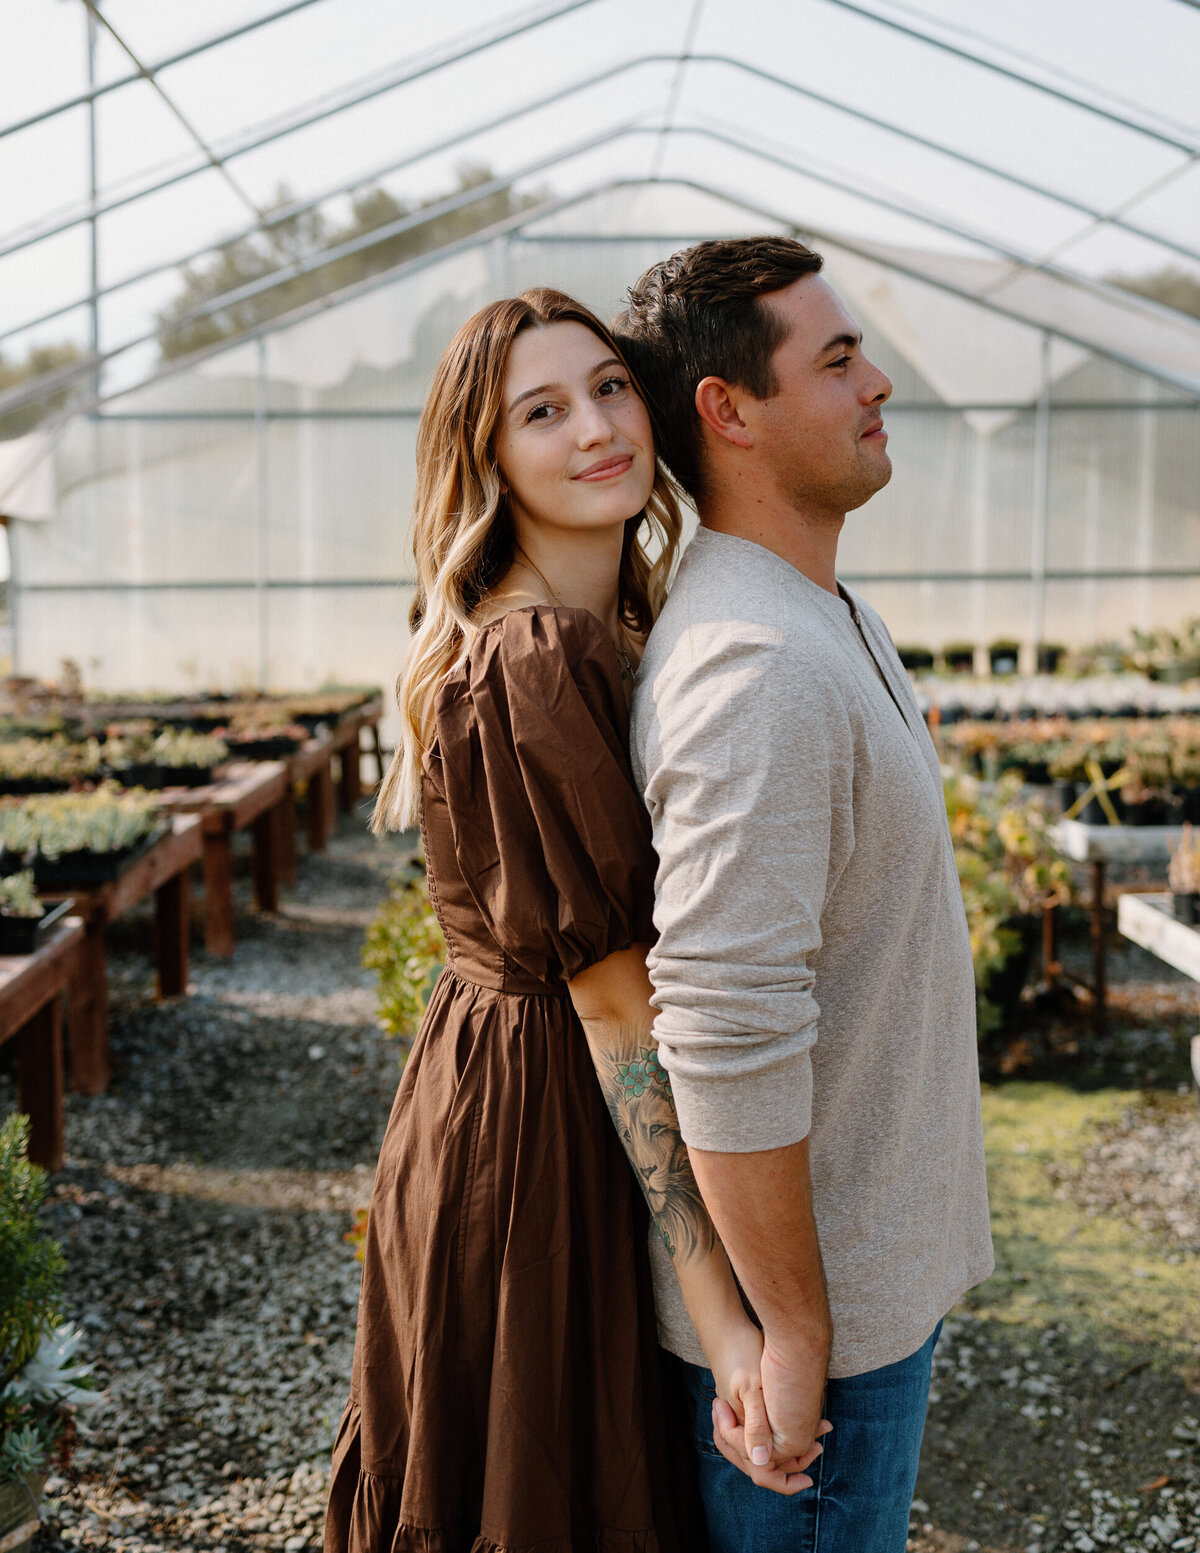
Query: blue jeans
862	1482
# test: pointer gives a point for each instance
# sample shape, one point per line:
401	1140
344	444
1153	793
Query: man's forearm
761	1205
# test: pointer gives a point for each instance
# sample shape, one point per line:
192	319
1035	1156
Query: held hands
754	1388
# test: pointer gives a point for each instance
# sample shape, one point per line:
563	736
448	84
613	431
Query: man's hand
793	1383
786	1475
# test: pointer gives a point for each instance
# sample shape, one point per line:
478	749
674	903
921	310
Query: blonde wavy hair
463	535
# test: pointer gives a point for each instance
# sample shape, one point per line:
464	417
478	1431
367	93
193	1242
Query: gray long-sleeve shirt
813	970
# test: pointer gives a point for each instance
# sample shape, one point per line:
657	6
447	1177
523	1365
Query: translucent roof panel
1063	142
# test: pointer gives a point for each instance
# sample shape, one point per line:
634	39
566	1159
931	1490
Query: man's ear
716	407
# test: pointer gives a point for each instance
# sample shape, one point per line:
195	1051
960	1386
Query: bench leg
171	935
377	751
264	860
319	807
350	784
88	1015
40	1084
289	850
218	891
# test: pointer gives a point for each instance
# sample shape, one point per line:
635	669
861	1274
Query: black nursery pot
1187	908
23	935
154	777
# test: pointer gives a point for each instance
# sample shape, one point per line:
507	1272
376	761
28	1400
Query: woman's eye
612	385
540	412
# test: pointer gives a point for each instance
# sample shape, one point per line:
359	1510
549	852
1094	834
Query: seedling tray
82	870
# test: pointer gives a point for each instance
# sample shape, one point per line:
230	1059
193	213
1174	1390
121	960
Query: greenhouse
238	516
328	1039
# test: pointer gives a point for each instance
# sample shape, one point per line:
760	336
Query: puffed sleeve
551	836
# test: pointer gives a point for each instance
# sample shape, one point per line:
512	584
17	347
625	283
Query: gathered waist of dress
509	980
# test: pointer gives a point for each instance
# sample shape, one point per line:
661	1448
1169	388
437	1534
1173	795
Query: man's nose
879	384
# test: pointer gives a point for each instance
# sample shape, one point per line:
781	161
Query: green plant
31	1264
42	1383
406	950
171	747
52	759
1006	868
107	820
18	898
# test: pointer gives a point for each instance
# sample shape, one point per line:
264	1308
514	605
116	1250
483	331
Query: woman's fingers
728	1438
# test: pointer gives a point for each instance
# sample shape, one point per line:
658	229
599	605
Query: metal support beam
299	207
311	113
1016	75
25	393
1040	503
94	91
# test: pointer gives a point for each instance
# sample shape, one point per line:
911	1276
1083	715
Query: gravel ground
1146	1169
203	1210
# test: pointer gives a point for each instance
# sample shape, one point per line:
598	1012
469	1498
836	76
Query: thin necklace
627	669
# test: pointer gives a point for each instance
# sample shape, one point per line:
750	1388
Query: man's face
822	432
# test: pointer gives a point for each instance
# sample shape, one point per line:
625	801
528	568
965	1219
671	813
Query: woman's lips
607	468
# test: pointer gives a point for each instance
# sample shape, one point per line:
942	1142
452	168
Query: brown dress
506	1391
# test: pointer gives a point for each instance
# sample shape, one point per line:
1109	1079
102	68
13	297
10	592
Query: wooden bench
250	794
31	987
1100	845
162	872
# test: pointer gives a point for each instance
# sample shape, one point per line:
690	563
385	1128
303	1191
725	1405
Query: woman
506	1390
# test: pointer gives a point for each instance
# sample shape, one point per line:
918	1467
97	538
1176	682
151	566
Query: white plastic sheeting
245	518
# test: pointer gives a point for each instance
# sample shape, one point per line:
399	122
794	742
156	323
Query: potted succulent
50	765
1183	875
79	839
1004	656
176	757
263	732
24	921
42	1383
959	657
1146	797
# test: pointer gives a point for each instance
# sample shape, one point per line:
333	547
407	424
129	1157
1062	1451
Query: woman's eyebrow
547	388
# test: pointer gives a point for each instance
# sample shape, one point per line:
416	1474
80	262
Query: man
813	971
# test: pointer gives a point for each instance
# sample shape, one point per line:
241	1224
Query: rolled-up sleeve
747	759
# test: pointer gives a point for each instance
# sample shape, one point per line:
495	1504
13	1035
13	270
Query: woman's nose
593	425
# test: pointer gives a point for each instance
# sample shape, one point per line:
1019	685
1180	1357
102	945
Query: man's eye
842	361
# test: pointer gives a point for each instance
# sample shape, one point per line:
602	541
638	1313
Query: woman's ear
716	406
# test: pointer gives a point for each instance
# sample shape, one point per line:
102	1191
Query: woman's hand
741	1427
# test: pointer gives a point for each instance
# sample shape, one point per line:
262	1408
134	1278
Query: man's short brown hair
699	314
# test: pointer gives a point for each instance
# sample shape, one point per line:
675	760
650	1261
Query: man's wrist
806	1338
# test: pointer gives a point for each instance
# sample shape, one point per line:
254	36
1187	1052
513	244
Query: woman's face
573	442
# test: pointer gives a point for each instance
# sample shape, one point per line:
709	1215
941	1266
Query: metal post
1099	965
261	558
93	192
1041	503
